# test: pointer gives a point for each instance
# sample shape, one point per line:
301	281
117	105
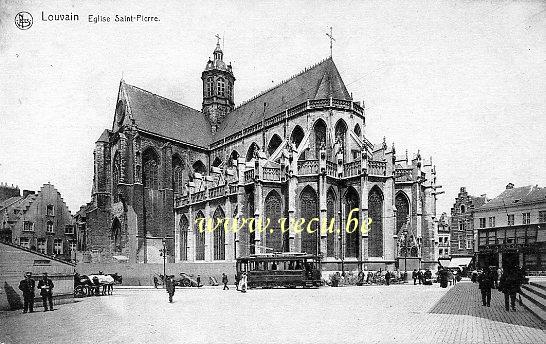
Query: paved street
401	314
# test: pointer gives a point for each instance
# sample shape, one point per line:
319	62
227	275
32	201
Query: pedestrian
237	280
225	281
27	287
244	283
388	277
198	281
170	286
420	276
510	283
494	277
499	274
485	283
443	274
46	291
414	276
156	282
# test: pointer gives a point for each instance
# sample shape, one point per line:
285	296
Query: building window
441	252
42	245
526	218
210	82
28	226
58	246
50	210
69	229
460	243
510	219
229	91
461	226
49	227
221	87
491	221
482	222
463	209
542	216
25	242
72	246
468	243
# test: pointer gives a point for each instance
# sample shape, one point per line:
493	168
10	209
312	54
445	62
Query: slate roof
318	82
515	196
10	201
168	118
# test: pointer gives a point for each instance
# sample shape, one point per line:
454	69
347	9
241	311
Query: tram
286	269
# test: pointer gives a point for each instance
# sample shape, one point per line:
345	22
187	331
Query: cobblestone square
371	314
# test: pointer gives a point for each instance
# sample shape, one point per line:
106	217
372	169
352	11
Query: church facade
296	151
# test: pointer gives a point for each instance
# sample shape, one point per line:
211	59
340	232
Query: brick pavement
371	314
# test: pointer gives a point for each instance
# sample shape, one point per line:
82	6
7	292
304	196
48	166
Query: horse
106	281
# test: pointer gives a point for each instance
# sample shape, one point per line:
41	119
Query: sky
463	82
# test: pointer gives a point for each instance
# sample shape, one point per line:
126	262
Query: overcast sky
463	81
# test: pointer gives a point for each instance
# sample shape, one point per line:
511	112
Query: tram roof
280	256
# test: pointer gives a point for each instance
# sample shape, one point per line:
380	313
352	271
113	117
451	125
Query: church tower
218	83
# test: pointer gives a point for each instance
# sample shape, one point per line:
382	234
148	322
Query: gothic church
297	150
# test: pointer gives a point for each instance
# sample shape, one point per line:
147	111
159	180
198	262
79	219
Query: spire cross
218	37
330	35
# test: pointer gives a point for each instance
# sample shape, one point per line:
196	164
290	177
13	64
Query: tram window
274	266
298	265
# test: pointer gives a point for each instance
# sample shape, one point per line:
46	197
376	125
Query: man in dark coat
27	287
388	277
225	281
443	275
485	283
414	276
45	285
510	283
170	286
198	281
420	276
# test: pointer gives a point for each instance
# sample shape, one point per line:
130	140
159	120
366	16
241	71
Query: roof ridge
160	96
306	69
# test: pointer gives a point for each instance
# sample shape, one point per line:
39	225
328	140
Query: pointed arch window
219	236
320	137
199	167
340	132
150	162
330	214
357	130
116	176
375	212
274	143
199	239
178	175
273	212
309	210
352	240
252	151
184	229
217	162
402	211
296	138
221	87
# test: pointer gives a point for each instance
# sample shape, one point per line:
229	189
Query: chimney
509	186
27	192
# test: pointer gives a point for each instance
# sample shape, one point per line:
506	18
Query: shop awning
121	258
459	262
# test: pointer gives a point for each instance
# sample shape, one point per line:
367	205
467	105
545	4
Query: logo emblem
23	20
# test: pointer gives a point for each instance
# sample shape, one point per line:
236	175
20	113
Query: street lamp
405	233
164	254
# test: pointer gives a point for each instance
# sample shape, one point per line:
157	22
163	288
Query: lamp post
164	254
405	233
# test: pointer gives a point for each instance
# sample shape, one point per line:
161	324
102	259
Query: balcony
217	191
198	196
403	174
351	169
308	167
331	169
249	176
377	168
272	174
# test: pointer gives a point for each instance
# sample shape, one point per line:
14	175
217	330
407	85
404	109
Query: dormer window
50	210
463	209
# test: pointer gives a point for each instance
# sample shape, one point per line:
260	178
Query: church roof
318	82
166	117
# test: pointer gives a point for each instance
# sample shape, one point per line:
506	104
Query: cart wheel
186	283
